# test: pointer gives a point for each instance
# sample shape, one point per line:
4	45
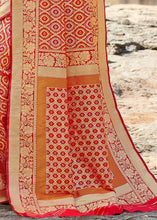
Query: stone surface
131	28
132	55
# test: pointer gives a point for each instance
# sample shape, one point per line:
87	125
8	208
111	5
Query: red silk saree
69	153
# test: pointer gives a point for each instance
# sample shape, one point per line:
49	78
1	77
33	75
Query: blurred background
146	2
132	57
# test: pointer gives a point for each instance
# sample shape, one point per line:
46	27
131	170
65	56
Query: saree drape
69	153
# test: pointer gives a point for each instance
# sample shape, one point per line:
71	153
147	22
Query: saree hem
106	210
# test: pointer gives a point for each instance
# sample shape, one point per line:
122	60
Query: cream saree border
25	201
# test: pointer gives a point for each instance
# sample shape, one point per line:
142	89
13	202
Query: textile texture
69	153
4	8
4	87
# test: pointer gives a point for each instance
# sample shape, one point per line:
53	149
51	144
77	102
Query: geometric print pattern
52	33
5	43
68	20
58	164
78	25
89	150
80	33
52	25
65	28
77	153
4	85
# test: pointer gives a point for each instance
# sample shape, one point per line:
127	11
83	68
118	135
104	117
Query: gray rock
131	28
126	22
133	66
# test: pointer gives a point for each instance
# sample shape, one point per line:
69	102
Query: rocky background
132	55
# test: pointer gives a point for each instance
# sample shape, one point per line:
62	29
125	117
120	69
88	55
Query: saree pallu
69	153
